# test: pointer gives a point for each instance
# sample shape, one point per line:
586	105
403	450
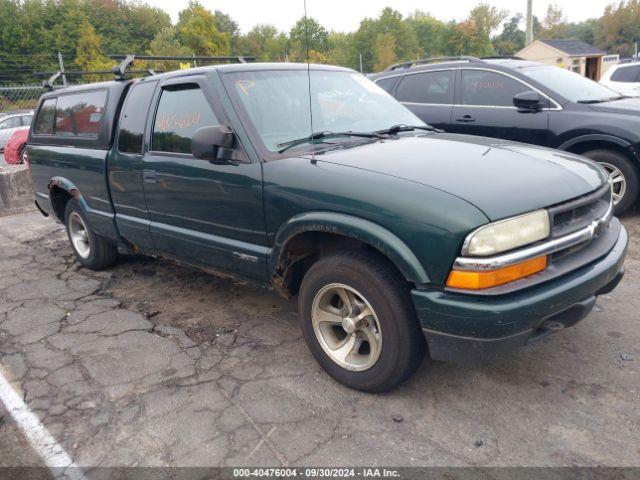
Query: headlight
507	234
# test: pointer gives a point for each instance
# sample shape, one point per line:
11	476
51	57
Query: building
573	55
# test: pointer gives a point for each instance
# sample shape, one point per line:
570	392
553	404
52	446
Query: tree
385	51
89	55
227	25
587	31
265	43
431	34
620	27
554	24
197	30
512	38
166	44
307	34
487	18
340	50
466	39
389	22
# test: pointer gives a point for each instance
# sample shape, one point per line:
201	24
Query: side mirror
209	142
528	101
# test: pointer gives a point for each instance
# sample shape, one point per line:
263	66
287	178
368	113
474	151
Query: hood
629	106
500	178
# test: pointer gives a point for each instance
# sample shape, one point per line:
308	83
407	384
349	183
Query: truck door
208	214
125	166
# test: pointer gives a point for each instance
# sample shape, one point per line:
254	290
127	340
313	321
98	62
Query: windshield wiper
407	128
324	135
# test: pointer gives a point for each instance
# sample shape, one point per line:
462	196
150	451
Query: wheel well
59	199
584	147
304	249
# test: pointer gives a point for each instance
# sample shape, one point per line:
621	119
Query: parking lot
153	364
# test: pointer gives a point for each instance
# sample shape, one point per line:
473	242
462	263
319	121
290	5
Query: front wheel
91	250
623	176
358	321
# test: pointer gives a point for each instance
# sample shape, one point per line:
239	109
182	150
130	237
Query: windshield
570	85
278	101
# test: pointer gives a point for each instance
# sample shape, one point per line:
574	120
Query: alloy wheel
79	235
347	327
618	182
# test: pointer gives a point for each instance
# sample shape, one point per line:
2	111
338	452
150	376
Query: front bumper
464	328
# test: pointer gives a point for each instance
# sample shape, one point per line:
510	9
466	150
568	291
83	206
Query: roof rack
237	59
120	70
426	61
503	57
48	84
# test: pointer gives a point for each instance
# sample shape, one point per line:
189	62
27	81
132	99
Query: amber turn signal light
479	280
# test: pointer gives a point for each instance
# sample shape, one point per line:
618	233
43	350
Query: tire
384	359
91	250
620	167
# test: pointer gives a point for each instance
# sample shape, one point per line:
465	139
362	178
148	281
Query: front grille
579	213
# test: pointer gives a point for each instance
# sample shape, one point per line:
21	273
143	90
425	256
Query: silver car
10	122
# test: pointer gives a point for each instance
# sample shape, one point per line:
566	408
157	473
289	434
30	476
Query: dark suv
527	102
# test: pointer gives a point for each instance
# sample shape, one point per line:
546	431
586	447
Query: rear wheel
623	175
358	321
91	250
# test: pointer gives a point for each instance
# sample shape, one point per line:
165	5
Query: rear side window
134	117
46	117
428	87
180	113
387	83
480	87
26	120
80	114
626	74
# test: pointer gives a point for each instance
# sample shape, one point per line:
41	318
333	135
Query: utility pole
361	63
529	31
61	62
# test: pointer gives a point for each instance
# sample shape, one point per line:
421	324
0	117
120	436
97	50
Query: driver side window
491	89
180	113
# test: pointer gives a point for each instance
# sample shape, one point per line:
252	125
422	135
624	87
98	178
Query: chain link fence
19	97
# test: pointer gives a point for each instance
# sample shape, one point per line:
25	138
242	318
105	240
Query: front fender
353	227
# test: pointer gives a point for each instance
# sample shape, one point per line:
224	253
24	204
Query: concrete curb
16	190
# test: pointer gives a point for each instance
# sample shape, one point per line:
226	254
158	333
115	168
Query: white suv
623	78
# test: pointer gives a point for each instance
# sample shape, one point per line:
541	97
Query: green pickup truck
398	239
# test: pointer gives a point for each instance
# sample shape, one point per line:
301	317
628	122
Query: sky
345	15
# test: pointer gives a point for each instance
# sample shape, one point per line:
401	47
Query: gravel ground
154	364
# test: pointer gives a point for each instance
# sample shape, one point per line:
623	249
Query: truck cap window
45	120
80	114
431	87
480	87
277	103
134	117
180	113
